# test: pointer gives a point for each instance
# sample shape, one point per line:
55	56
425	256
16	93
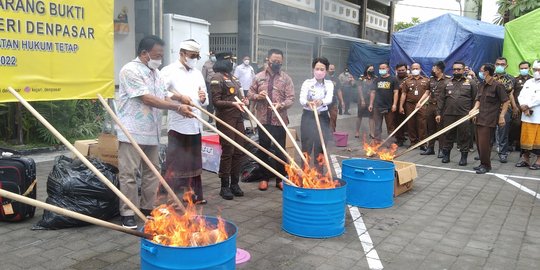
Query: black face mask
370	73
433	74
276	67
229	67
458	75
402	74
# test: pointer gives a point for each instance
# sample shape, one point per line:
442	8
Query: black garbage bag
73	186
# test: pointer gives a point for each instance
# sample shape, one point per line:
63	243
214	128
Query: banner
56	49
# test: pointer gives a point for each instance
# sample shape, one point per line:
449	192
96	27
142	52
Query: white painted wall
124	45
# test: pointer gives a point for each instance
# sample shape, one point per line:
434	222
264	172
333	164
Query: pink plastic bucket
341	138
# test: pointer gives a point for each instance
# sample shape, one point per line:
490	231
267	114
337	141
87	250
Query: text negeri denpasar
39	7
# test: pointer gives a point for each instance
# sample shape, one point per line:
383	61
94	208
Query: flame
310	177
187	230
374	148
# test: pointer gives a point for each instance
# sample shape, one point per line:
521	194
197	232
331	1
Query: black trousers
311	142
460	134
278	132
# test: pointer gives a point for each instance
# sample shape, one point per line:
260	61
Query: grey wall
273	11
340	27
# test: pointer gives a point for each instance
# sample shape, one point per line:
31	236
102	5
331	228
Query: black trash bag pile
252	171
73	186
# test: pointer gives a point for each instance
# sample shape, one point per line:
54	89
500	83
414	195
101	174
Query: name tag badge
416	92
449	92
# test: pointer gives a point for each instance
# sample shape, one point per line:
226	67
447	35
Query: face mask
537	75
524	72
433	74
319	74
481	75
402	74
191	62
153	63
275	67
246	62
382	72
331	73
499	69
370	72
458	75
415	72
213	58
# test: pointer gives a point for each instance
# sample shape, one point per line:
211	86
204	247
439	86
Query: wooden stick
272	170
240	134
323	144
405	121
141	153
444	130
71	214
84	160
259	125
293	140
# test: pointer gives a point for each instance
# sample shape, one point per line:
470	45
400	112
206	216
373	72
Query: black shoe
347	113
477	158
146	212
428	151
446	156
482	170
503	158
129	222
477	167
236	191
226	193
440	154
422	148
463	160
400	144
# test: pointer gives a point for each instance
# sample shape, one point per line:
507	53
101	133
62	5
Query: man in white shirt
184	160
245	74
529	100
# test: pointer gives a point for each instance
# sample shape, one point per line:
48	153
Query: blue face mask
524	72
481	75
382	72
499	69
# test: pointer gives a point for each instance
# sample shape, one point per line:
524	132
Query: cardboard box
211	153
88	148
405	174
108	148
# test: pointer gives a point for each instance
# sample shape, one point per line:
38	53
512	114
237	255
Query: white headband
190	45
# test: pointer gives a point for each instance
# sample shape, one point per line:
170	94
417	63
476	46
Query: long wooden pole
261	127
71	214
251	155
323	144
444	130
141	153
405	121
293	140
84	160
240	134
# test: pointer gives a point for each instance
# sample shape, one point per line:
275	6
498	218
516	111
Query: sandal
535	167
522	163
201	202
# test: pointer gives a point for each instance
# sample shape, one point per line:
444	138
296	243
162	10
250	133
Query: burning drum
314	213
220	255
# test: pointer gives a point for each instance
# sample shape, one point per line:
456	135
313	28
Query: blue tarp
361	55
448	38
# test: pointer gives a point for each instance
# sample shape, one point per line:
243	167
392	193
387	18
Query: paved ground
452	219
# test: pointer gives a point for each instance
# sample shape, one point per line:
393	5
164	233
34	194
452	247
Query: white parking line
518	185
374	263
